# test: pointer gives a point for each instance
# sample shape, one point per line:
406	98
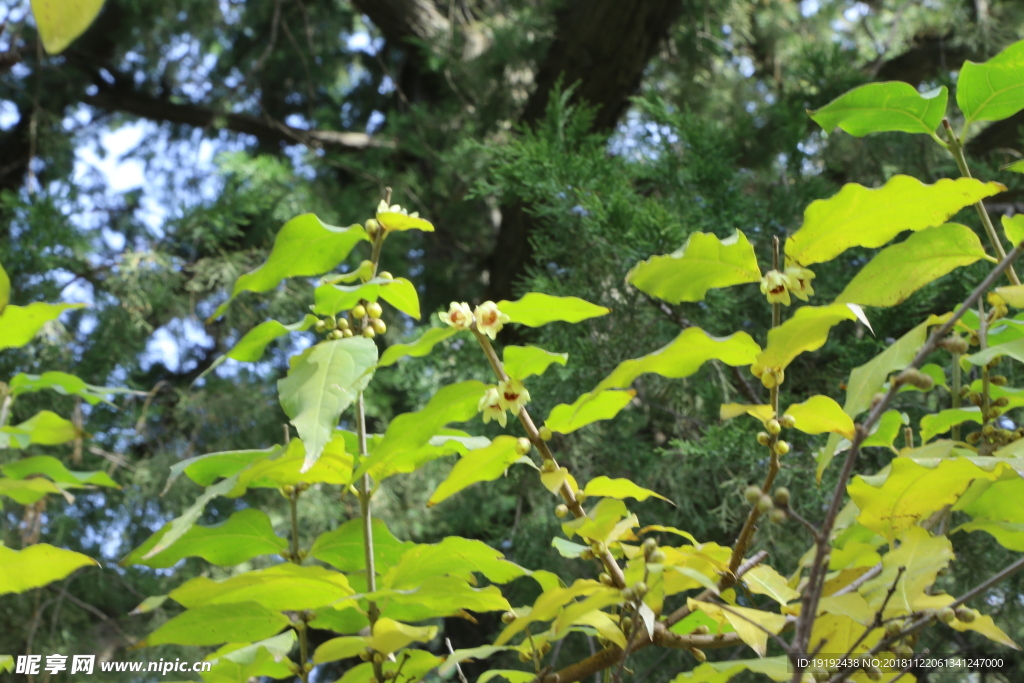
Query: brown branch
405	20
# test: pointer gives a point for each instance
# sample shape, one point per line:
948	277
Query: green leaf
45	428
587	409
469	654
525	361
992	90
284	586
19	324
912	492
37	565
683	356
401	293
1010	535
234	664
536	309
1013	295
418	348
27	491
820	414
179	525
703	263
206	469
1013	167
764	580
858	216
720	672
62	383
340	648
807	330
484	464
398	451
6	663
333	467
454	556
762	412
330	298
944	420
445	596
568	548
61	21
887	429
246	534
215	624
549	604
1014	349
55	470
390	635
619	488
251	346
898	271
751	625
1013	228
304	247
922	556
868	379
321	385
891	106
5	289
343	547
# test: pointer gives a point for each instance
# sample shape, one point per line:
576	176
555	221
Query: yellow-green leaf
45	428
401	293
730	410
886	429
343	547
27	491
619	488
776	668
56	470
483	464
820	414
992	90
912	492
863	217
454	556
749	623
1013	295
883	107
703	263
305	246
982	623
536	309
284	586
550	603
898	271
19	324
525	361
215	624
922	556
250	348
5	289
807	330
416	349
587	409
944	420
61	21
1013	228
340	648
37	565
683	356
394	221
390	635
1014	349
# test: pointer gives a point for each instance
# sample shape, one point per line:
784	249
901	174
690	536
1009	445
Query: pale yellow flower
458	316
490	406
775	286
512	395
800	282
489	320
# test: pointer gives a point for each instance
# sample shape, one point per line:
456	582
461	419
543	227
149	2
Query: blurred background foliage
554	143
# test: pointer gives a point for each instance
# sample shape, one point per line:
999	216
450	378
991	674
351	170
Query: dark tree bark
601	46
401	20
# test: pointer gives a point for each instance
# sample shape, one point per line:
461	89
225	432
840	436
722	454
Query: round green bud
369	333
586	554
364	655
371	226
764	504
781	447
548	466
605	578
508	618
562	511
965	614
892	628
947	615
378	657
346	333
523	446
385	275
657	557
320	326
374	310
343	324
545	434
782	495
629	595
698	654
752	494
288	490
874	673
335	334
308	666
581	497
626	624
998	380
598	548
378	325
975	398
641	588
773	426
359	312
701	630
764	438
777	516
769	380
788	421
649	546
1001	402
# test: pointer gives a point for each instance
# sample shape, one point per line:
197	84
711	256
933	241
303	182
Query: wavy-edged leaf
54	469
416	349
206	469
1013	228
536	309
890	106
525	361
806	331
619	488
237	664
760	411
343	547
61	21
703	263
898	271
330	298
305	246
216	624
683	356
941	422
764	580
750	624
45	428
820	414
922	556
62	383
334	466
253	343
858	216
484	464
587	409
1013	295
548	605
453	556
19	324
321	385
37	565
886	429
992	90
246	534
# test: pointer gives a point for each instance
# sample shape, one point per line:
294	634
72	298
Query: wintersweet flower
800	282
395	208
775	286
490	406
489	320
512	395
458	316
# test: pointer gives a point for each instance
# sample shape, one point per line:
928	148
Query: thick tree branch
402	20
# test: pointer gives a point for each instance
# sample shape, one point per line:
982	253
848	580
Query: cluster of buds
777	286
369	315
774	427
510	394
766	505
651	552
489	320
999	308
915	378
770	377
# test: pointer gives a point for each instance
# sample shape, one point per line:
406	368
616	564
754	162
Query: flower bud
374	310
598	548
777	516
372	227
320	326
657	557
781	447
508	618
626	625
562	511
378	657
288	490
701	630
954	344
629	595
756	369
788	421
974	340
752	494
335	334
769	380
523	446
586	554
782	495
605	578
698	654
988	430
892	628
965	614
369	333
973	438
975	398
1001	402
965	392
346	333
764	438
545	434
549	465
773	426
378	325
764	504
874	673
998	380
649	546
947	615
641	589
359	312
385	275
